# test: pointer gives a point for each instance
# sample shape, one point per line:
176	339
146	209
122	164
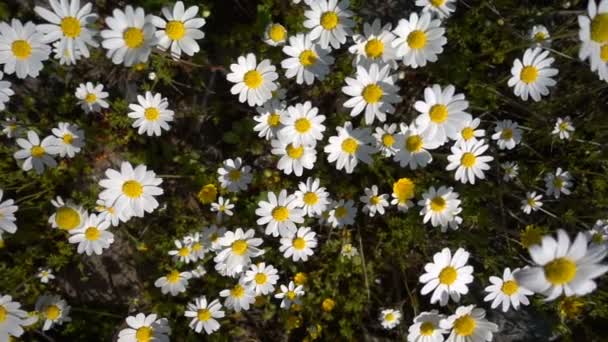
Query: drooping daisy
348	251
469	324
36	154
403	192
299	245
174	282
197	247
93	236
373	91
507	134
68	216
12	319
306	61
468	160
222	207
563	267
10	128
533	75
411	147
350	146
329	22
280	214
52	310
311	197
253	82
470	131
425	327
290	294
593	34
563	128
419	40
540	36
130	37
183	252
71	25
269	119
440	206
5	92
110	213
237	249
92	97
506	291
211	237
558	183
510	171
22	50
179	30
151	114
390	318
293	158
45	274
302	124
238	298
131	191
204	315
275	34
261	278
142	327
442	8
374	45
442	113
385	139
374	202
532	202
7	215
234	176
342	213
598	234
69	139
447	276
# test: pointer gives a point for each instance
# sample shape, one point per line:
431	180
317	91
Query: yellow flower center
239	247
299	243
3	314
308	58
416	39
389	317
133	37
438	113
507	134
558	183
175	29
300	278
341	212
277	33
528	74
280	213
203	315
90	98
37	151
404	189
234	175
467	133
207	194
253	79
173	277
302	125
448	275
438	204
144	334
294	152
468	159
21	49
509	287
350	145
437	3
238	291
291	295
372	93
273	120
560	271
465	325
92	233
374	200
388	140
374	48
413	143
599	28
427	329
52	312
151	114
261	278
540	36
183	252
329	20
68	138
197	247
132	189
604	53
310	198
67	218
328	304
70	26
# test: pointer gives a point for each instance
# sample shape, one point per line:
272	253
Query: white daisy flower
510	171
329	22
69	139
468	160
533	75
374	46
130	37
532	202
238	298
374	202
71	25
563	128
22	49
299	245
222	206
419	40
131	191
507	133
204	315
197	247
151	114
506	291
350	146
275	34
302	124
52	310
540	36
183	253
174	282
598	234
269	118
45	274
440	207
211	237
7	215
93	237
280	214
305	60
390	318
425	328
293	158
469	324
5	93
142	327
290	294
62	52
470	131
403	192
593	34
563	267
443	113
385	139
261	278
447	276
68	216
311	197
110	213
411	147
234	176
348	251
10	128
374	91
237	249
342	214
442	8
92	97
558	183
37	154
253	82
13	319
179	31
